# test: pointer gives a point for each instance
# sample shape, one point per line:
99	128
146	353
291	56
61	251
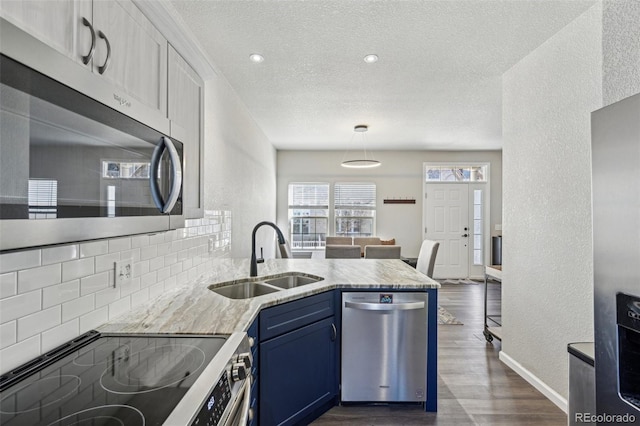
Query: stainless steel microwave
73	169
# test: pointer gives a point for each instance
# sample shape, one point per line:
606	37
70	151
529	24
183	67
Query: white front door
447	221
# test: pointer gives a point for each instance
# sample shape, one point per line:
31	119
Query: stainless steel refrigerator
616	237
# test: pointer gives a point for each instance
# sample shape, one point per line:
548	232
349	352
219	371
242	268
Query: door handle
465	235
103	68
87	58
385	306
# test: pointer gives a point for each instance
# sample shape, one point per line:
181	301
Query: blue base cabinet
299	371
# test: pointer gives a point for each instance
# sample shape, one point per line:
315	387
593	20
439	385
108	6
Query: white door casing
447	221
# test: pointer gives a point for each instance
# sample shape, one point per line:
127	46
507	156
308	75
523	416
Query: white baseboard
552	395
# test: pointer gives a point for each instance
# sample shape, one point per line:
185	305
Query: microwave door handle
153	175
176	175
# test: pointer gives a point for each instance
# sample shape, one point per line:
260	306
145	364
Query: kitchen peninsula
196	309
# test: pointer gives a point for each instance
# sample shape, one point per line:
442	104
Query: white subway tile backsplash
156	263
63	333
77	307
156	239
60	254
170	259
139	241
139	297
16	261
148	252
8	334
119	307
132	287
108	295
18	306
35	278
119	244
163	249
163	273
8	284
133	254
94	248
156	290
60	293
176	269
148	279
15	355
94	283
106	262
51	295
33	324
94	319
78	269
140	268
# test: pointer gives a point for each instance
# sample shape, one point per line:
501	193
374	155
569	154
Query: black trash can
496	250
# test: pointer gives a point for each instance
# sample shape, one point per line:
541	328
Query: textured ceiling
437	84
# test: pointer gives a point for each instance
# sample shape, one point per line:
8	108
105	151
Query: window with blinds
355	209
43	198
308	215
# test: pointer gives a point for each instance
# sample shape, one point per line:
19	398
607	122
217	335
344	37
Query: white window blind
355	195
308	215
355	209
43	198
309	196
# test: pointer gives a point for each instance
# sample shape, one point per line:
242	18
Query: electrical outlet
210	245
123	272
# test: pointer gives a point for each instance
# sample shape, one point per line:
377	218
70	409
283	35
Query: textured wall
547	247
239	168
621	48
400	175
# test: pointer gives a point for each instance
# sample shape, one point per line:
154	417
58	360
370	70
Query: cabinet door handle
103	68
86	59
334	332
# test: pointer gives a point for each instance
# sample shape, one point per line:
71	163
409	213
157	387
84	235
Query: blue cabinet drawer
292	315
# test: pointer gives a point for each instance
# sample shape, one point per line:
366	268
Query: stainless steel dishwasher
384	347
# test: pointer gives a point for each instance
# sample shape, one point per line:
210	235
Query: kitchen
240	160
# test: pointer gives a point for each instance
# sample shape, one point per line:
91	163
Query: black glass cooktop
114	380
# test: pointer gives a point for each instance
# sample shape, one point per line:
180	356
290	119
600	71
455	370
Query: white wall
400	175
239	168
547	248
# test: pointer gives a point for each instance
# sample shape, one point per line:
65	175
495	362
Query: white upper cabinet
112	38
131	52
186	115
58	23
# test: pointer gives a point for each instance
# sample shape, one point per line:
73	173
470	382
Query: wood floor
474	386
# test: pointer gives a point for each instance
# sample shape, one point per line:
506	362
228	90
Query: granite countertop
194	309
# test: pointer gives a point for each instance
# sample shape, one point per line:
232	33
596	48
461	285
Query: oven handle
246	403
176	175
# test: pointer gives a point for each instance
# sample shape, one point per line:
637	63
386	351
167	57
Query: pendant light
365	161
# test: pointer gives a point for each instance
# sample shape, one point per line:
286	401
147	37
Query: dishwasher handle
406	306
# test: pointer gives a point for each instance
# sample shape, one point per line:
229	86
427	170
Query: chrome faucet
254	262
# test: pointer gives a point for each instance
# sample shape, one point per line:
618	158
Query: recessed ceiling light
256	57
370	59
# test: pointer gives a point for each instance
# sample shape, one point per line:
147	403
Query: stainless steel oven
72	168
133	380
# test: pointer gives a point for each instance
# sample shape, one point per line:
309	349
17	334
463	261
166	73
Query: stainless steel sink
254	287
244	290
292	280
